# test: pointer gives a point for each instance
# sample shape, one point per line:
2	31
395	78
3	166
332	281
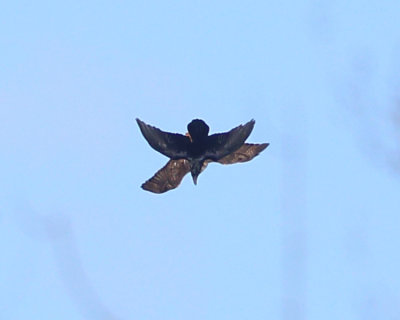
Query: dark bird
193	152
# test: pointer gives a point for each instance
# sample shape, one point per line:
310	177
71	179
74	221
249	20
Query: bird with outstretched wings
192	152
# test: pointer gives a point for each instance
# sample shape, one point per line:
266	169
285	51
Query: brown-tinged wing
245	153
168	177
172	145
220	145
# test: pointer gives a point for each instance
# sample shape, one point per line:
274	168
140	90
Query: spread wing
172	145
245	153
220	145
168	177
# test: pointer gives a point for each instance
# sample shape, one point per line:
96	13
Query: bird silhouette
193	151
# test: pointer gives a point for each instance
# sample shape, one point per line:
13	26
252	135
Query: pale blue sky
307	230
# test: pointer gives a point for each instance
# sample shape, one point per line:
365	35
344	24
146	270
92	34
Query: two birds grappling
192	152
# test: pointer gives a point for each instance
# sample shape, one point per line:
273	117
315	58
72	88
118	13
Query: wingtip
263	146
145	186
250	124
142	125
248	128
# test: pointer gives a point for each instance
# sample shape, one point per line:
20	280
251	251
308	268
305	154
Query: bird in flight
192	152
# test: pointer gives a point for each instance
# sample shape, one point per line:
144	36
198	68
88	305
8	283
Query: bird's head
198	129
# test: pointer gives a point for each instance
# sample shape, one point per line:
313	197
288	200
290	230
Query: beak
194	180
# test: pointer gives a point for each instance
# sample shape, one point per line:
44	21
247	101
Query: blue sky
307	230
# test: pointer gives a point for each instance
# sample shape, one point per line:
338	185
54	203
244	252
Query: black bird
197	148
